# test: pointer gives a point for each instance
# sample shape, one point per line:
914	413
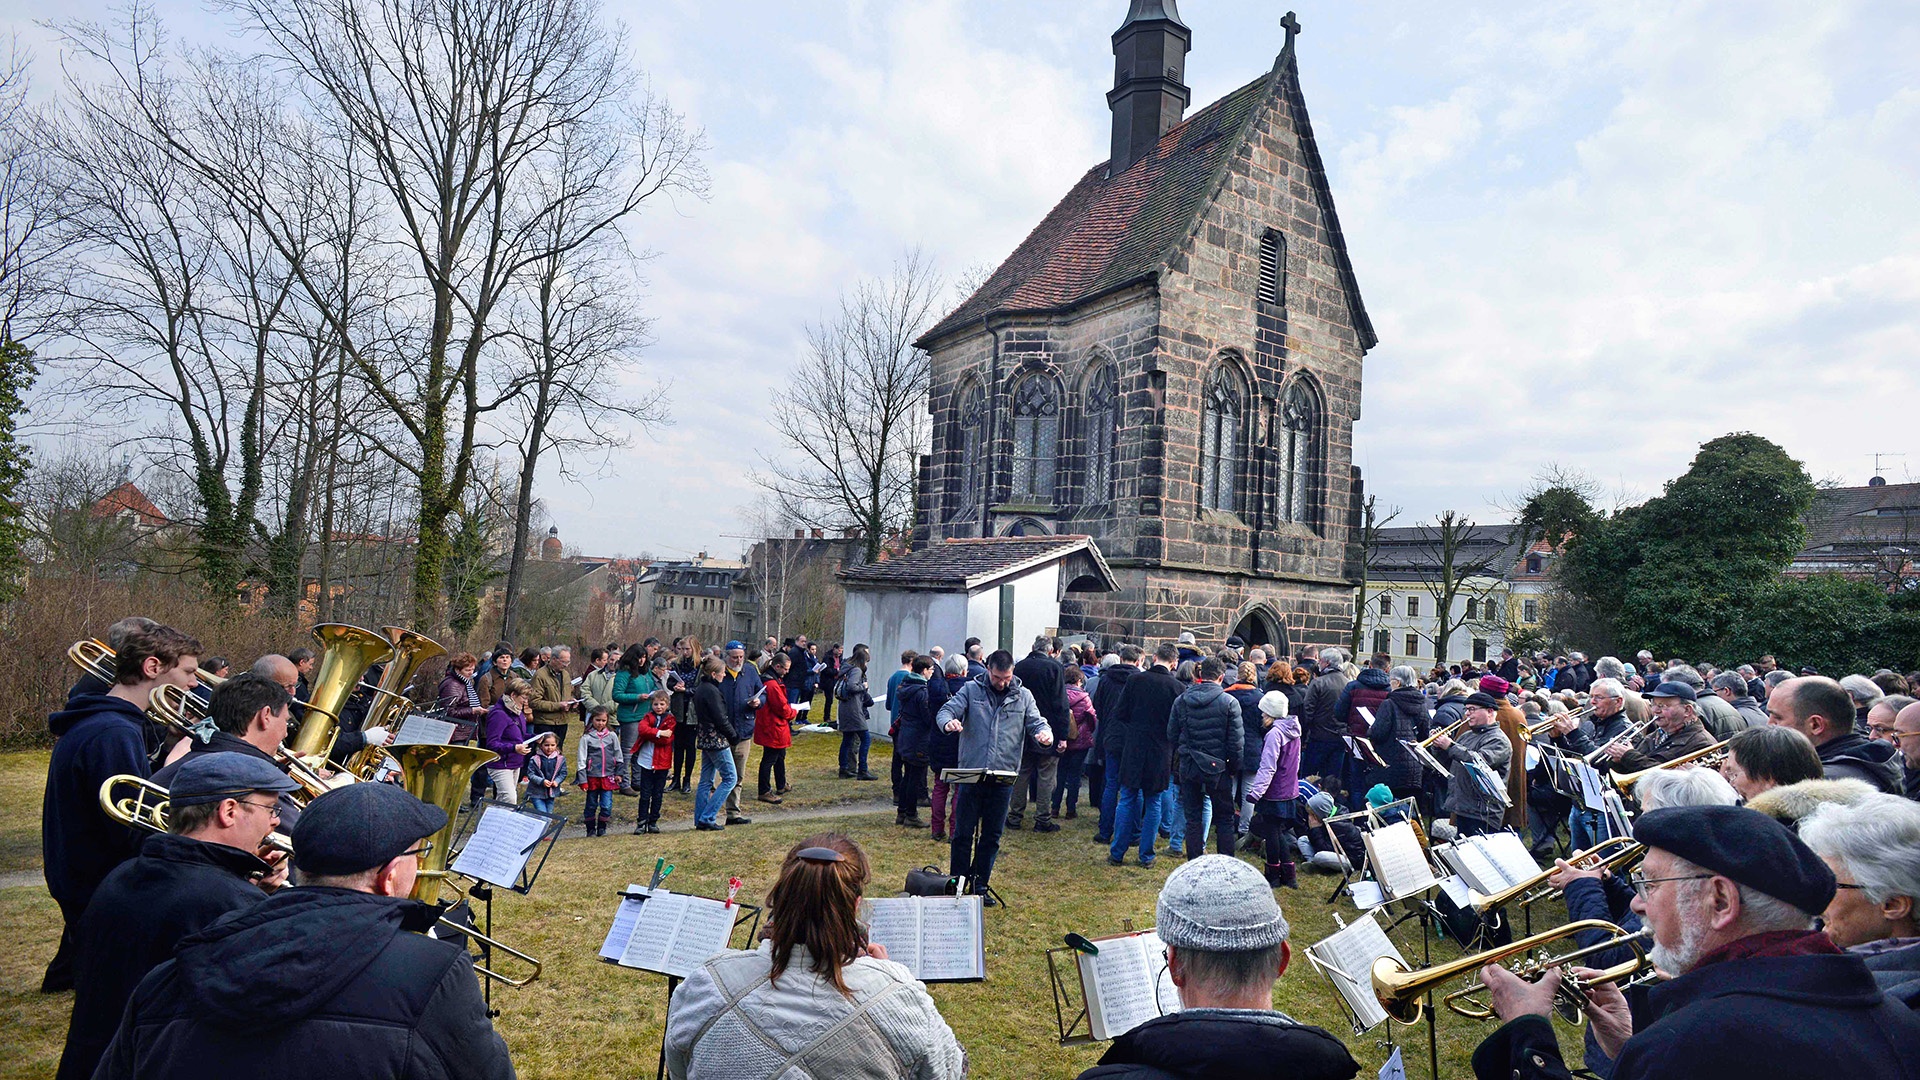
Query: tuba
390	703
438	776
1400	988
345	654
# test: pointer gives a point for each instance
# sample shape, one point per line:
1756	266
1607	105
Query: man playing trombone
220	810
250	717
1730	896
98	736
322	981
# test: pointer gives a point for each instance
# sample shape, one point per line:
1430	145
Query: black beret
205	778
1483	699
360	826
1746	845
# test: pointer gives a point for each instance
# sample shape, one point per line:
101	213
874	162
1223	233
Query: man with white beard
1755	992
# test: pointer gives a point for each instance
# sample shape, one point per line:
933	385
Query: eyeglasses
1644	885
421	850
1847	885
272	808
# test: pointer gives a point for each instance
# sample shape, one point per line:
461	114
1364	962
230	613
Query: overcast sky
1591	234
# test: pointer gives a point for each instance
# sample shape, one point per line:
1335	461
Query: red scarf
1772	943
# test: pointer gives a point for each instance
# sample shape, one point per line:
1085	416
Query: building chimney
819	533
1149	66
799	534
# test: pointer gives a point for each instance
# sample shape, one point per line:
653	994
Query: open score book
1127	984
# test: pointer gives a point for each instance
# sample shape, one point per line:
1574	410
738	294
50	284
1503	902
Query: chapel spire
1149	93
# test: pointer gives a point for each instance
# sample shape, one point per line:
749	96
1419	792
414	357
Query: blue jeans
544	806
1585	828
849	741
707	801
1073	763
1137	817
1109	802
979	806
600	804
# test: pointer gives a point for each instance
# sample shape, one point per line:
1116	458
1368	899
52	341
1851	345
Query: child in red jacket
653	760
773	729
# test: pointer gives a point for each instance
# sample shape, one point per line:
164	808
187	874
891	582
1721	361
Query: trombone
1707	757
146	808
1614	853
169	705
1546	723
1633	733
1400	988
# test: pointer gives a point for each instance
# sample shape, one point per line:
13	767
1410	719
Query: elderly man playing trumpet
1730	896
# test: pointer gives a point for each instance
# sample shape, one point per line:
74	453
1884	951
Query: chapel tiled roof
1110	232
966	562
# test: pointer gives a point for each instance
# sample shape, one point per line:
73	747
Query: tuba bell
410	650
345	654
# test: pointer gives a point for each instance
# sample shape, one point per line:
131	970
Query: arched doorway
1260	624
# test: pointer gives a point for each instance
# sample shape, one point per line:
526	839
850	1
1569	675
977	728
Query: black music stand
530	868
748	914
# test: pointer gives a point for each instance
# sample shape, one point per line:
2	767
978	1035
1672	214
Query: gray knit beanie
1216	903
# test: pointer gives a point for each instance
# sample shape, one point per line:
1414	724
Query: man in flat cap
328	980
1226	946
1475	810
1678	731
1756	993
220	809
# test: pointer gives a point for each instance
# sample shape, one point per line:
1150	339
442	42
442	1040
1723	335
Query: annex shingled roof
969	562
1111	232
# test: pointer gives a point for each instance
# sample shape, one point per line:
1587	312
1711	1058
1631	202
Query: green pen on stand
657	864
660	877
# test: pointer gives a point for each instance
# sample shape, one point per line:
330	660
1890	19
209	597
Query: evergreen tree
17	372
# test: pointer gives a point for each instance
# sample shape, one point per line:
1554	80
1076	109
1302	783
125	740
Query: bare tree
67	538
32	260
1369	542
1457	559
855	422
453	106
574	322
772	560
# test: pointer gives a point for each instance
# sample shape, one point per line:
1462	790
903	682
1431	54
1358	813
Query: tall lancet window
1220	413
1036	438
1102	421
973	445
1299	452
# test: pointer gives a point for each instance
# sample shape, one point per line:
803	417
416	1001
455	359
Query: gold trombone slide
1707	757
1400	988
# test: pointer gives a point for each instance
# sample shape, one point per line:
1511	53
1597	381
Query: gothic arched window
1299	452
1100	422
1036	438
973	446
1220	412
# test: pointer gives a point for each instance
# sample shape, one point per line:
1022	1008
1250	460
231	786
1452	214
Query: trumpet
1400	988
1635	731
1448	731
1614	853
1707	757
1546	723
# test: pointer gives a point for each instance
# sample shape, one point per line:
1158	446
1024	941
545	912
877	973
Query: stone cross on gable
1292	24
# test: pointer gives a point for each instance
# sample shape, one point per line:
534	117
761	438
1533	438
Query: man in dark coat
1226	944
799	674
1324	754
1046	680
1106	703
1142	765
1820	709
916	710
1400	719
329	981
1730	896
99	736
1208	736
219	811
250	716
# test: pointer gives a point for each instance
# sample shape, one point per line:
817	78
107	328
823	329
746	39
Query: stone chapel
1170	364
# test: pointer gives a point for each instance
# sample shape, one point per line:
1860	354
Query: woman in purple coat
509	735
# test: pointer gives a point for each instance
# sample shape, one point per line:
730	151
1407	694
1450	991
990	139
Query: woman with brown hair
815	999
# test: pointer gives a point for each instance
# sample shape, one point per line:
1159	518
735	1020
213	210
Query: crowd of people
1777	813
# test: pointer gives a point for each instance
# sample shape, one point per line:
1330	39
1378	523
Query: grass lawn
588	1018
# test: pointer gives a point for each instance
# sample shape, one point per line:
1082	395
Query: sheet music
1476	867
1350	953
623	923
1366	895
1395	1068
938	938
1456	889
1127	984
1399	863
497	850
423	730
1593	791
1509	853
674	933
